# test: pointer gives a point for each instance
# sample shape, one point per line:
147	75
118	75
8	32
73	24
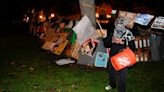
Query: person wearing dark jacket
120	38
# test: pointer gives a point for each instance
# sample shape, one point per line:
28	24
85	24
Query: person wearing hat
120	39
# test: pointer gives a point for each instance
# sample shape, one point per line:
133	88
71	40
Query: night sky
17	7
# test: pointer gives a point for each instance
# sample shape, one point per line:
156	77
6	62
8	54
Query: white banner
84	29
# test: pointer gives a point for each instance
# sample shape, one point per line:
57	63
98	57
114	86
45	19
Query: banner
143	19
158	23
129	18
84	29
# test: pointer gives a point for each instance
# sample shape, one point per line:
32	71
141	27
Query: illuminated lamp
52	15
40	16
97	15
108	16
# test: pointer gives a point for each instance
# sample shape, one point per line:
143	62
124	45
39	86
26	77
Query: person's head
63	23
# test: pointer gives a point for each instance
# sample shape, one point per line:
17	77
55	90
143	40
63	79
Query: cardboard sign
75	50
129	17
48	45
143	19
101	59
60	43
89	47
84	29
59	49
49	34
158	23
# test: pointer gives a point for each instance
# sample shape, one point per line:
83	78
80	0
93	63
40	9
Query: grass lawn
24	67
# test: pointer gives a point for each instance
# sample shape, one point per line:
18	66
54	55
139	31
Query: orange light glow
52	15
108	16
40	16
97	15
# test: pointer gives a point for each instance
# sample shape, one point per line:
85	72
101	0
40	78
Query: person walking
121	38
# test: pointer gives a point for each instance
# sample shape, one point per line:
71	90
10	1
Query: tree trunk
87	7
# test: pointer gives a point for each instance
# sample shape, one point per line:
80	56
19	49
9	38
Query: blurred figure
121	38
